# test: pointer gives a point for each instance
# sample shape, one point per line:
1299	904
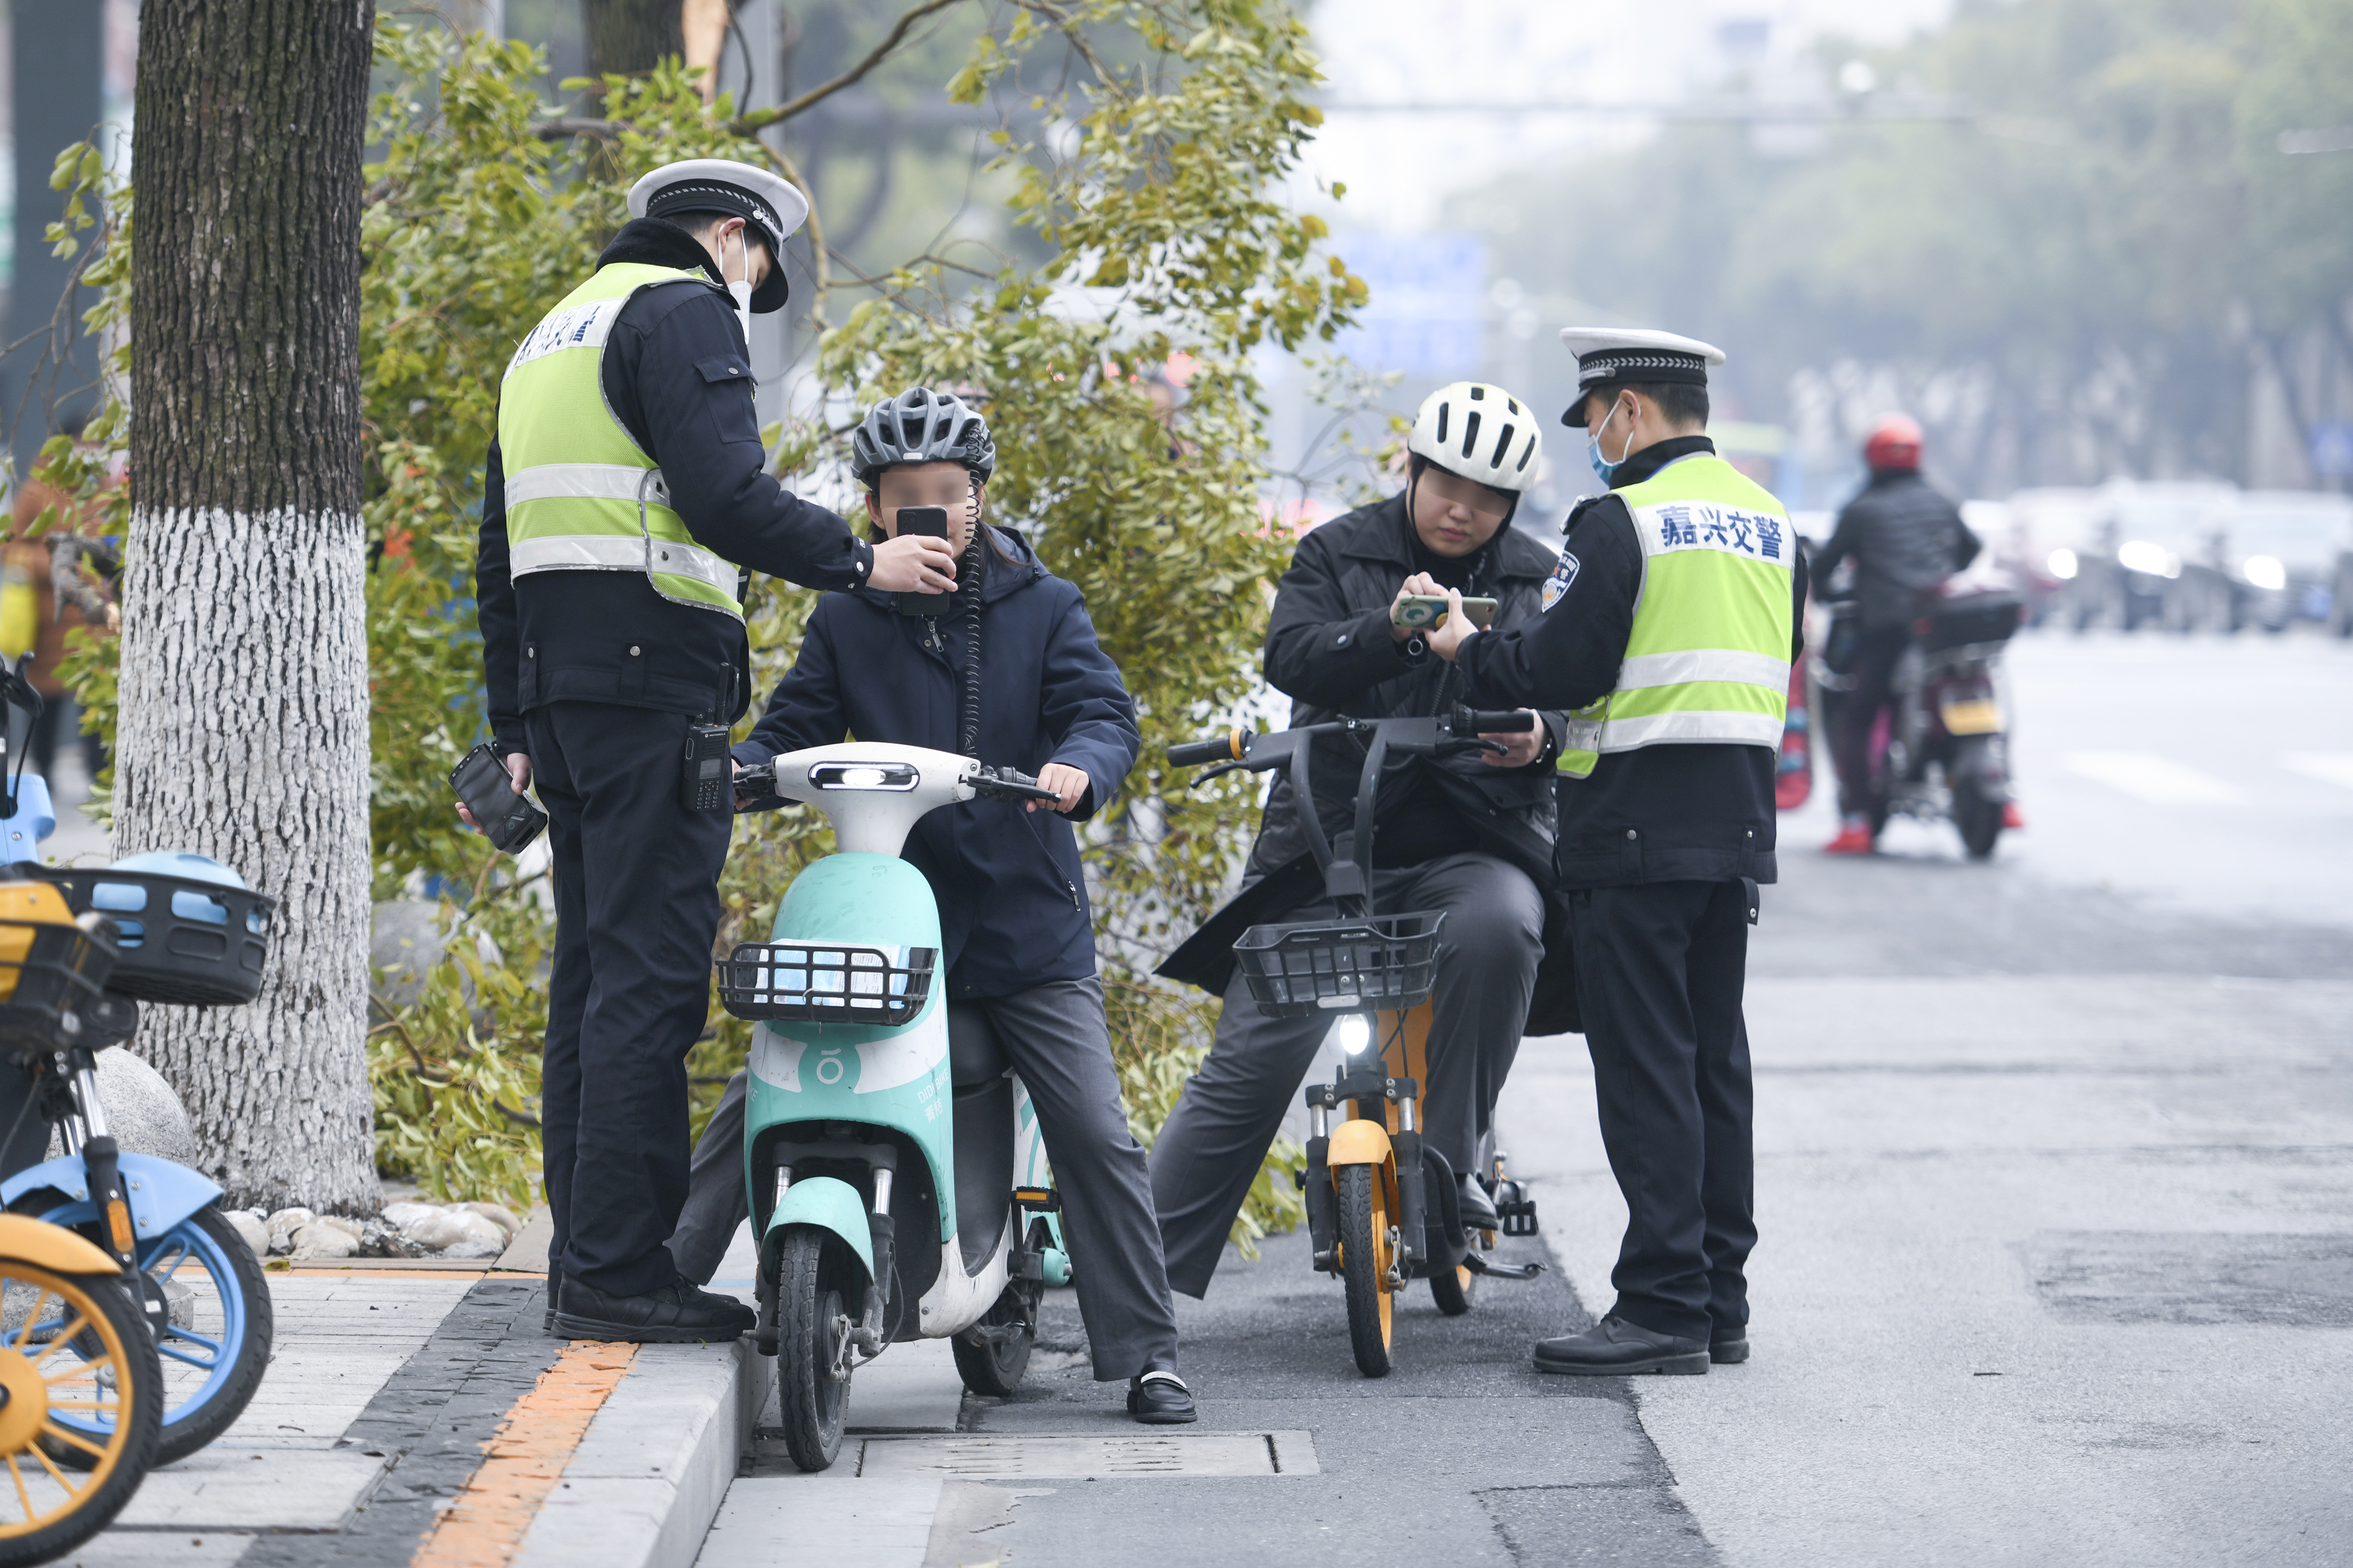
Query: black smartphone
509	820
932	520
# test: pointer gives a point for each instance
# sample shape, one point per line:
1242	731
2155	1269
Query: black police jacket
1658	814
676	375
1012	900
1905	535
1328	649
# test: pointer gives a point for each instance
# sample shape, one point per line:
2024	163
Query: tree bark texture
244	726
625	36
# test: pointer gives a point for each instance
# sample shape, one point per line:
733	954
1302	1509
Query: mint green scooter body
895	1077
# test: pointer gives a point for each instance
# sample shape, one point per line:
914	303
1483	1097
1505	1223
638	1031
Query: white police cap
1637	354
766	201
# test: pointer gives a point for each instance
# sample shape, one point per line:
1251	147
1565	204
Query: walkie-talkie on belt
704	782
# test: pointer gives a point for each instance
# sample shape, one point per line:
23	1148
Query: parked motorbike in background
1940	752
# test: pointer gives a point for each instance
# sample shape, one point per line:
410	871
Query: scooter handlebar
1514	721
757	780
1008	783
1226	748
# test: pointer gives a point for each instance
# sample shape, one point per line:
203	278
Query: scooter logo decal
828	1066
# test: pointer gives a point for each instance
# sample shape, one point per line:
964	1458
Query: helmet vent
1470	432
1478	394
1503	446
1443	409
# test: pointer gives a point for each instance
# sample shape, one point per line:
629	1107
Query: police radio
704	782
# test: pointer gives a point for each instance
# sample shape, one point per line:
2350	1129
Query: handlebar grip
1226	748
1469	722
759	779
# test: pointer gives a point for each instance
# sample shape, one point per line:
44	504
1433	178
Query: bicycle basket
52	968
824	983
183	939
1341	966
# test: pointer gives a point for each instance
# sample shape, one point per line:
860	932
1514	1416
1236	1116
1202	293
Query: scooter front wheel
1365	1258
812	1355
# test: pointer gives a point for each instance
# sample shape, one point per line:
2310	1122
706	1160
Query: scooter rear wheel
813	1399
1453	1290
1365	1254
996	1370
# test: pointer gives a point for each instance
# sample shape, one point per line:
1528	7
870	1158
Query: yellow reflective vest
1707	662
580	493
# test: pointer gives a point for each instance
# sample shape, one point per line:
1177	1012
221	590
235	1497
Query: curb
656	1462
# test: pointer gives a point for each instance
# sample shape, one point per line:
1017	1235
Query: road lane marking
2149	777
2328	767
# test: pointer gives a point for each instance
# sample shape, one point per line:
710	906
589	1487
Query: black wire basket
826	982
1341	966
182	941
53	973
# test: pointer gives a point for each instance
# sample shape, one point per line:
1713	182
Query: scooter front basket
53	971
1332	966
826	982
182	941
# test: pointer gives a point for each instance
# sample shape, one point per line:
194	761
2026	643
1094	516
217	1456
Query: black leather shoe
1616	1348
1478	1208
1159	1398
554	1284
677	1314
1729	1349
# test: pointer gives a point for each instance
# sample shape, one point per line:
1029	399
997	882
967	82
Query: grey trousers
1056	1038
1210	1151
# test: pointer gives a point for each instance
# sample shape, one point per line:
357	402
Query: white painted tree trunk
244	736
243	725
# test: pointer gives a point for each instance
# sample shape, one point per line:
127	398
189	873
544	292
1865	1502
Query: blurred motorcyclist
1905	535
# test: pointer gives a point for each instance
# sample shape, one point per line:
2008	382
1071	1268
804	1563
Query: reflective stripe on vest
1707	662
581	495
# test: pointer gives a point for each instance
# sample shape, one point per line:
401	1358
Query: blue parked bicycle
79	951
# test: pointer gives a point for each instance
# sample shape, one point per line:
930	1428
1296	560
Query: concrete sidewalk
423	1416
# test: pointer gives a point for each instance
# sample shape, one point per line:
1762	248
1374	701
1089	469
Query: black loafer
1729	1350
677	1314
1159	1398
1478	1208
1616	1348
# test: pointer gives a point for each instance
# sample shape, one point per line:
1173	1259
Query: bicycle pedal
1518	1218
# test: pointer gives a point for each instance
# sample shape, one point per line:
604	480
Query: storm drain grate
972	1456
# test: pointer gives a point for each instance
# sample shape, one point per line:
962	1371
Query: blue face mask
1607	470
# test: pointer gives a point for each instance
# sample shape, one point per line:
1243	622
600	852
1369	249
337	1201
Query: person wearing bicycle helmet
1006	669
1470	834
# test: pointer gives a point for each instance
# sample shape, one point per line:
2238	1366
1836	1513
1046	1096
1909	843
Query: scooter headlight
1355	1034
863	776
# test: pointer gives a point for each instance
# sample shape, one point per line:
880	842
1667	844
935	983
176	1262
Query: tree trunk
625	36
244	728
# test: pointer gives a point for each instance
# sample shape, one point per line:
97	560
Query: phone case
509	820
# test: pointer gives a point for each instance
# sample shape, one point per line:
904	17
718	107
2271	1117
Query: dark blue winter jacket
1013	904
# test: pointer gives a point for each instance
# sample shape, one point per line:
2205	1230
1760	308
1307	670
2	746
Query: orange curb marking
484	1527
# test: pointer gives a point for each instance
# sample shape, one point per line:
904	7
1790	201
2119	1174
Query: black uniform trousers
637	910
1660	971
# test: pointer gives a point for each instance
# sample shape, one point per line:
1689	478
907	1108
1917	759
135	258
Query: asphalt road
2055	1185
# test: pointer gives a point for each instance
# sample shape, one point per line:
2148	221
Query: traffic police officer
1670	625
626	499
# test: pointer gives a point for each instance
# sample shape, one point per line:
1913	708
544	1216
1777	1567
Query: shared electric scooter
891	1201
1382	1205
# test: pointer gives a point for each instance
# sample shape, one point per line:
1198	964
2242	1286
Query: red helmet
1893	443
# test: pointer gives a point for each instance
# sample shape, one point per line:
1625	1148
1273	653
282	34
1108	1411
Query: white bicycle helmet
1476	430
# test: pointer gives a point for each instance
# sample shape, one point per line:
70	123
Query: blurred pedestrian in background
48	586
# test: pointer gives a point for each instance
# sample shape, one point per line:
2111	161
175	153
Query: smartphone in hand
509	820
1427	612
933	522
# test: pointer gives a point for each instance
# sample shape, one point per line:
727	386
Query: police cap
767	203
1637	354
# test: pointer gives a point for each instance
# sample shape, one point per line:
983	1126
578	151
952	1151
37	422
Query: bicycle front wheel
81	1376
